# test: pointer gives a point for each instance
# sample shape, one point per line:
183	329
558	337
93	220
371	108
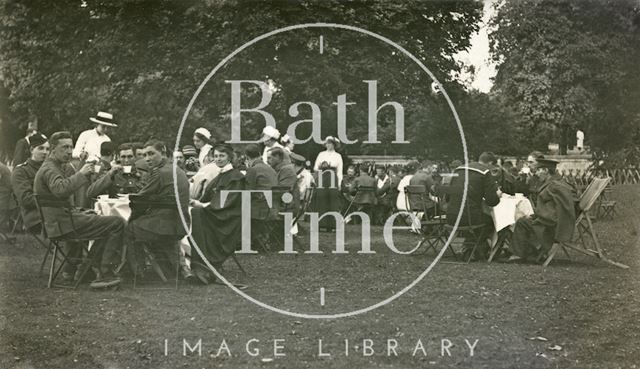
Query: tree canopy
63	61
568	65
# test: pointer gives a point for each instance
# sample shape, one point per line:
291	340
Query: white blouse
333	159
204	151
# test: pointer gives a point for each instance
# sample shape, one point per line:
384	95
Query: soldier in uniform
482	193
56	179
554	214
286	174
120	178
22	180
160	228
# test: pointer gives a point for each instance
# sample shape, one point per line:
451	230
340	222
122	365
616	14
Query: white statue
580	140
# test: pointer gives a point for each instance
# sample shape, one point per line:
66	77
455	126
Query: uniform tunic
553	220
22	180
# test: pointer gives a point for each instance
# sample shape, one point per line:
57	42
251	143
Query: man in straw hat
89	142
554	217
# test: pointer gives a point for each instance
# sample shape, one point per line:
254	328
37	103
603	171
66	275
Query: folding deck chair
58	253
584	227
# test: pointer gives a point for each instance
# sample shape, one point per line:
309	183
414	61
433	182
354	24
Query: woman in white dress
328	168
202	140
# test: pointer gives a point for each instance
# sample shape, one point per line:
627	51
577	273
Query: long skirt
327	199
216	233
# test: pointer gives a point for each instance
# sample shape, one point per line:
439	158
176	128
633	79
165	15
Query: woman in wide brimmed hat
202	141
328	167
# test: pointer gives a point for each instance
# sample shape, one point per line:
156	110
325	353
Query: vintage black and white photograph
319	184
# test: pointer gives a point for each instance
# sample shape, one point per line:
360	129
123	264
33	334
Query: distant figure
202	141
580	140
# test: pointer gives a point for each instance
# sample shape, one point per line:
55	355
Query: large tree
61	61
568	65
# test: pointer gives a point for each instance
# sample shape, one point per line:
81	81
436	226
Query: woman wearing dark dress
217	227
327	197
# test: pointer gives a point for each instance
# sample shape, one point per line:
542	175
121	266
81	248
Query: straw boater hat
103	118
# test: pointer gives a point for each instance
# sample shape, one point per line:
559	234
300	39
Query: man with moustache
57	180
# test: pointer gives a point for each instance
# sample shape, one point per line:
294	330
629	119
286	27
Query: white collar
226	168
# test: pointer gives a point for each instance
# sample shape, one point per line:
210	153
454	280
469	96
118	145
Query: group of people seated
199	177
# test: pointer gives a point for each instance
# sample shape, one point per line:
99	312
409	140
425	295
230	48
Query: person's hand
499	192
115	168
87	169
196	204
84	155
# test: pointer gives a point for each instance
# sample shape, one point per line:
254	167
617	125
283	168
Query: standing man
22	152
89	141
57	179
22	180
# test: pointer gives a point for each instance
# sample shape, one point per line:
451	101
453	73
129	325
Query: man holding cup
120	177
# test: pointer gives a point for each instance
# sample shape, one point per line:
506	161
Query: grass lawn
584	313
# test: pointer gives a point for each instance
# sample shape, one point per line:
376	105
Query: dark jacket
260	176
364	197
481	191
6	193
21	152
58	180
556	208
287	177
22	180
422	178
112	185
159	187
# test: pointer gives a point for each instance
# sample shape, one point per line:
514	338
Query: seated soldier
8	205
259	176
347	184
554	215
56	180
22	180
383	194
160	228
482	193
286	175
364	200
424	177
121	178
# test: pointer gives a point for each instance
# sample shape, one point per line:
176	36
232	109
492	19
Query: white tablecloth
118	206
509	210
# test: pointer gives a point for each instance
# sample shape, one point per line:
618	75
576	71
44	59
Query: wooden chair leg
552	253
233	256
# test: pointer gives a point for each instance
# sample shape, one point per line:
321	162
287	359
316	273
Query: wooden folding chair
58	253
431	229
584	227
